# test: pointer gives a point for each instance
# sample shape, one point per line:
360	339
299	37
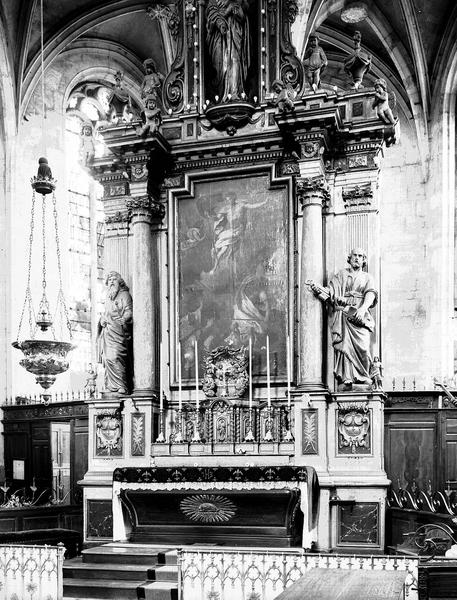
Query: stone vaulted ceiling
408	38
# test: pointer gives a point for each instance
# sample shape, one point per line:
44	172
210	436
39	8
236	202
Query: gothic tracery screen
232	270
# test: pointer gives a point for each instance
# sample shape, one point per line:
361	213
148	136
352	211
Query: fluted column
146	214
312	193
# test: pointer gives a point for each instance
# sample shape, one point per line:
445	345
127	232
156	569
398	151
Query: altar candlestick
250	374
160	378
289	371
179	378
268	373
196	375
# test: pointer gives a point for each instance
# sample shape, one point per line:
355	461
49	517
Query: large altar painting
233	265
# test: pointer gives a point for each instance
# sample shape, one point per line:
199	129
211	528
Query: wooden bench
72	540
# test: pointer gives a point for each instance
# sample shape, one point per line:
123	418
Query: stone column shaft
145	213
312	192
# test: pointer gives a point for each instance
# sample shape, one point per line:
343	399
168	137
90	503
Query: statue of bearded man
114	336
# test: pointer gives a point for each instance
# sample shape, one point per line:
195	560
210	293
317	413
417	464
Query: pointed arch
75	28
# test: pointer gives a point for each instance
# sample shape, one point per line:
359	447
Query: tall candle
268	373
196	375
289	371
250	374
160	378
179	378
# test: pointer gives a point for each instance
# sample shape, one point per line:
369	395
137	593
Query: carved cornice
145	206
312	190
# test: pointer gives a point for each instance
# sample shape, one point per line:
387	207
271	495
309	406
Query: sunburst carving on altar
208	508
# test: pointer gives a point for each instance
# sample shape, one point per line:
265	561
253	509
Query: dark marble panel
358	523
99	519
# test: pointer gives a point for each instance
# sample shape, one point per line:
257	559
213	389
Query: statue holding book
349	296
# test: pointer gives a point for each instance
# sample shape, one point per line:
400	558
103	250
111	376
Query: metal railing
55	397
257	574
34	572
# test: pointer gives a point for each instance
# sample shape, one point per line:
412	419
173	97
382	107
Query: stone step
164	573
168	557
76	568
159	590
112	590
134	554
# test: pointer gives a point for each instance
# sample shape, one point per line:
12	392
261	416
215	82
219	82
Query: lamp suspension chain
60	296
43	109
28	293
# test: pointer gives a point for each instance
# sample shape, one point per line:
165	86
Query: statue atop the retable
349	296
91	381
114	337
152	82
314	62
227	36
283	96
358	63
381	102
87	147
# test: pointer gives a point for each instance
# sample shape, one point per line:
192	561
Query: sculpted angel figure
227	36
284	96
381	102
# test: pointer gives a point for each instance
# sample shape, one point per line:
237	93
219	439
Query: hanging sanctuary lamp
45	353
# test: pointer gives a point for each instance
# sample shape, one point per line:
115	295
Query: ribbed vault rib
420	61
27	12
74	29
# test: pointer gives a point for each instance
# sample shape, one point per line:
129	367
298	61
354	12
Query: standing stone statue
227	36
153	80
350	296
314	62
358	63
87	146
115	336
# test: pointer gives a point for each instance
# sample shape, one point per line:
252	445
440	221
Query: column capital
145	207
358	198
312	190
